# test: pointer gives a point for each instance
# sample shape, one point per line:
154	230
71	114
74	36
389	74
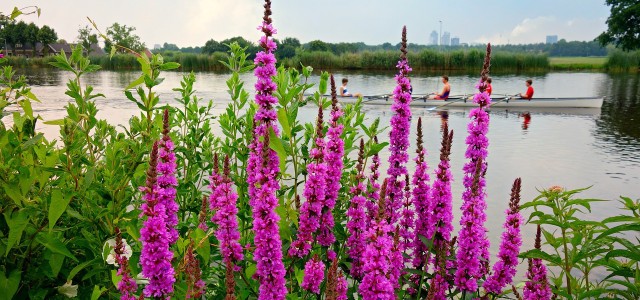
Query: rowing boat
498	101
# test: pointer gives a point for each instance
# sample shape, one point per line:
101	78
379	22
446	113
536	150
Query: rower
446	89
529	94
489	87
344	92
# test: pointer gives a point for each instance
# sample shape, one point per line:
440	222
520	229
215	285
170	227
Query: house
26	50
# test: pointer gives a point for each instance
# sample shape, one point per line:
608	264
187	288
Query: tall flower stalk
224	200
376	284
155	257
314	192
334	152
441	217
420	203
505	268
167	180
313	275
127	285
373	194
195	284
537	286
357	219
262	170
399	135
473	252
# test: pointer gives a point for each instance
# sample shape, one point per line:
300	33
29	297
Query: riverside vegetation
275	208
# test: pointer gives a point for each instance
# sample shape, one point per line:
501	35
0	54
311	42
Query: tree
212	46
86	38
31	37
623	25
46	36
318	45
287	48
122	35
170	47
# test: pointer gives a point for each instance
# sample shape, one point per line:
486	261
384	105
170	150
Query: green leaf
536	253
54	244
112	52
115	278
135	83
284	121
275	143
9	285
17	223
204	247
97	292
79	268
250	270
59	122
55	262
14	193
169	66
57	207
14	14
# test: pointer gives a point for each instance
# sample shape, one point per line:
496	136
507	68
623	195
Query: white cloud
535	30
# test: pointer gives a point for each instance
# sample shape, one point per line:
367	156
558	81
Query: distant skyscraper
552	39
157	46
446	39
433	40
455	41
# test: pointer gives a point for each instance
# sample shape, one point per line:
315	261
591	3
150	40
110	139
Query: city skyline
355	21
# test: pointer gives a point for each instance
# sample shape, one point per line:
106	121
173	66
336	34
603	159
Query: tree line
21	33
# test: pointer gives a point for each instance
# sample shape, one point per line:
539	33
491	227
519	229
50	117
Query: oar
505	99
449	103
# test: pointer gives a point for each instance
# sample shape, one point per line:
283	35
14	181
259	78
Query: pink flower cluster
357	219
333	158
262	170
420	203
223	202
156	256
314	192
505	268
313	275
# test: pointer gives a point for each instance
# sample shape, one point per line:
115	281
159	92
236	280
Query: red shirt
529	93
489	89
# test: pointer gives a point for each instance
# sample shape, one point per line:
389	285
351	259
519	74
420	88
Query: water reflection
526	119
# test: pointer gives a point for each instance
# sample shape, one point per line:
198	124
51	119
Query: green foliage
124	38
623	61
623	25
86	38
577	249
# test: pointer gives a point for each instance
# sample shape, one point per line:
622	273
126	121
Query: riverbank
425	60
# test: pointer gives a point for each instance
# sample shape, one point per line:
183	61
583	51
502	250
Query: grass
578	63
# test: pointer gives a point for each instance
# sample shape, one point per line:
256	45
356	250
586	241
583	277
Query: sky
193	22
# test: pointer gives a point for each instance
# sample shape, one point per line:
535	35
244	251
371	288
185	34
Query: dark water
572	148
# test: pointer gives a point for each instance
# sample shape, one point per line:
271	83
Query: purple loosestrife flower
263	168
313	275
127	285
156	256
314	191
357	219
226	218
396	260
334	152
376	257
440	227
342	287
193	273
505	267
537	286
167	180
399	135
374	193
420	203
473	253
407	222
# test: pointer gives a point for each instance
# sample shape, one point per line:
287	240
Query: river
571	148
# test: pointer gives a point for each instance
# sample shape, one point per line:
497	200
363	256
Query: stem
566	261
